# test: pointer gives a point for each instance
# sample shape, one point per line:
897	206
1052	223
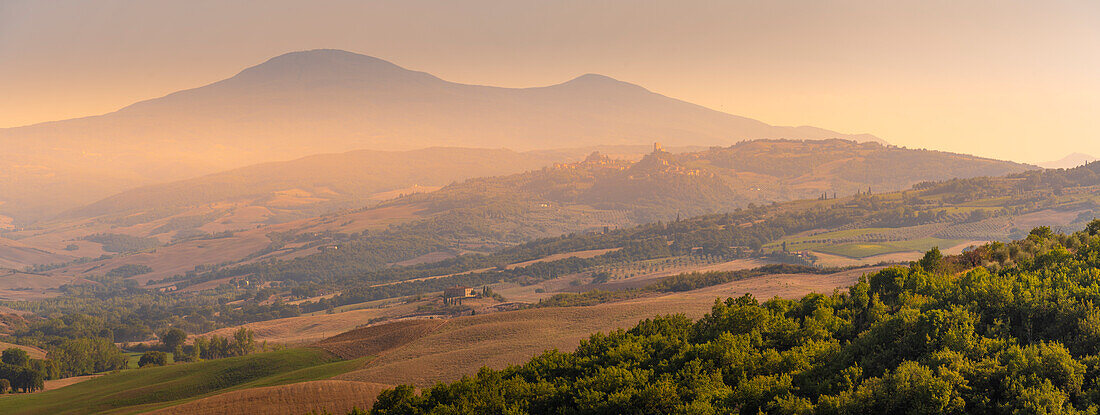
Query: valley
228	228
570	208
354	302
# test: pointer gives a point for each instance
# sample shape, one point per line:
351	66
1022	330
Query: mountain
324	101
1070	161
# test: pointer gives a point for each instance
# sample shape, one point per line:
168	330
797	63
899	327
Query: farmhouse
459	291
454	295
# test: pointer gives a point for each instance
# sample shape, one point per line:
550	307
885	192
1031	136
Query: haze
1007	79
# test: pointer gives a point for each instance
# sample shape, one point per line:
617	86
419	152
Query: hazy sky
1006	79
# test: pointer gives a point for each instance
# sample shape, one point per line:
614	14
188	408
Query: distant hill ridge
1070	161
663	184
324	101
343	179
759	171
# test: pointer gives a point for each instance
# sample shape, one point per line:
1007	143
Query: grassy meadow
141	390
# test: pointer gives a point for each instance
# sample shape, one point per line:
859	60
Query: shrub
153	358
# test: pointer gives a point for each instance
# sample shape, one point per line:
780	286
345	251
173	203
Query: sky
1006	79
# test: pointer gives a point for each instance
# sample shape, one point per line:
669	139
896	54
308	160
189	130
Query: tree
1093	227
5	385
933	261
243	341
154	358
32	380
15	357
198	348
173	338
48	367
87	356
23	379
1041	232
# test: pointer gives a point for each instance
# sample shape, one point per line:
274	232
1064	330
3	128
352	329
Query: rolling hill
324	101
486	214
147	389
316	184
662	184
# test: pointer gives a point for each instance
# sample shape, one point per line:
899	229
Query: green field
866	249
924	244
140	390
859	249
914	238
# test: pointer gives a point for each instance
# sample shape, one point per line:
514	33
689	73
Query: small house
459	291
454	295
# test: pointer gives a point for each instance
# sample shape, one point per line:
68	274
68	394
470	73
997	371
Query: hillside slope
146	389
1005	328
304	187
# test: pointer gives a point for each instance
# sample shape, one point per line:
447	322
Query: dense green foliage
153	358
129	270
85	356
173	338
15	356
1007	328
217	347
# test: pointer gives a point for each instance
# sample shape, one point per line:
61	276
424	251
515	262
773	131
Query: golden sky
1007	79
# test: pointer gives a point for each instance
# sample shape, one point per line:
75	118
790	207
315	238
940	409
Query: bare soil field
16	285
15	254
433	277
958	249
830	260
358	221
376	339
426	258
61	383
334	396
176	259
465	344
1045	218
578	254
309	329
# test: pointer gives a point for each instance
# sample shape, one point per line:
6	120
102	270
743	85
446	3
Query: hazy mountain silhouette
1070	161
330	101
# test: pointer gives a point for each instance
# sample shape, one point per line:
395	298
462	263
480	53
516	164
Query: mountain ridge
1069	161
326	101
